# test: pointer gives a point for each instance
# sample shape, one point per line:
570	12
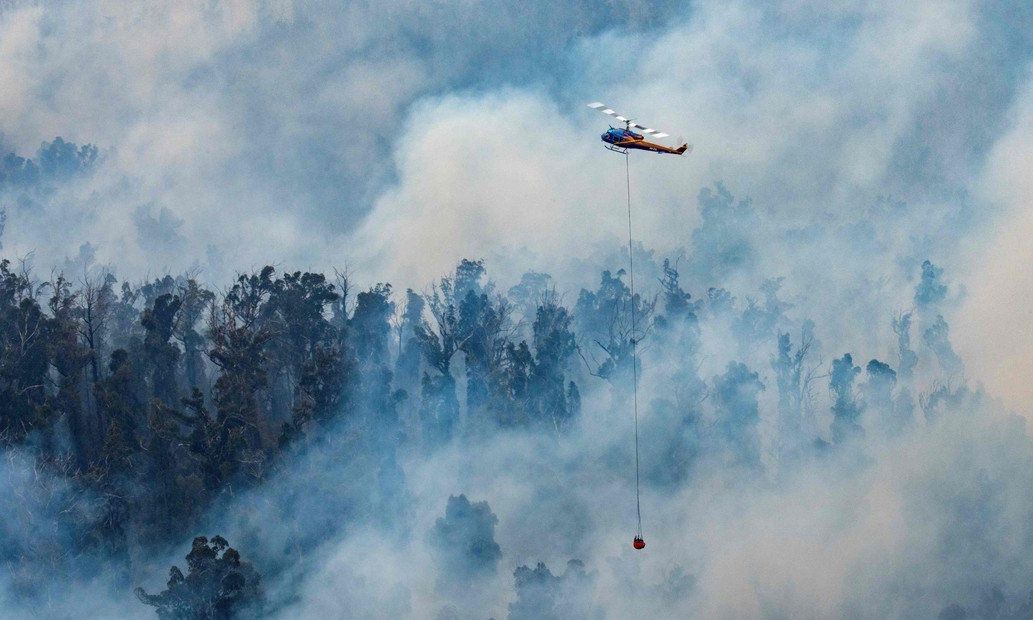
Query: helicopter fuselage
621	139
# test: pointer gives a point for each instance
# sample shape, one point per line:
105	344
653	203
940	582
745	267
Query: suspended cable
634	355
621	141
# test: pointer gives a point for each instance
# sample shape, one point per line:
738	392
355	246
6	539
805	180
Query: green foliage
464	539
846	409
217	585
24	357
735	393
544	596
612	321
157	400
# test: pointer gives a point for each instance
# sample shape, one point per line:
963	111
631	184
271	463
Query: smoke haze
833	388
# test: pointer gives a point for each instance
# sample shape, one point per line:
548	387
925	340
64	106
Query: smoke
998	284
839	147
858	131
44	532
896	527
521	206
274	119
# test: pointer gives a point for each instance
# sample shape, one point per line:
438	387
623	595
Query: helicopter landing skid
616	149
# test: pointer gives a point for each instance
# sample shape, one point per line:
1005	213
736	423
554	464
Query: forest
154	401
261	425
137	416
316	310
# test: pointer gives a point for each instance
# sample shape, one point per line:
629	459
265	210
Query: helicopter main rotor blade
654	133
649	131
598	105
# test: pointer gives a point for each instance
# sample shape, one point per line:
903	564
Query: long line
634	345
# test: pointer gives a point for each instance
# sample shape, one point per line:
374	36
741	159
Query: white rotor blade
649	131
644	129
653	133
605	110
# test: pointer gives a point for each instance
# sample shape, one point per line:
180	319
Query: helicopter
621	140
